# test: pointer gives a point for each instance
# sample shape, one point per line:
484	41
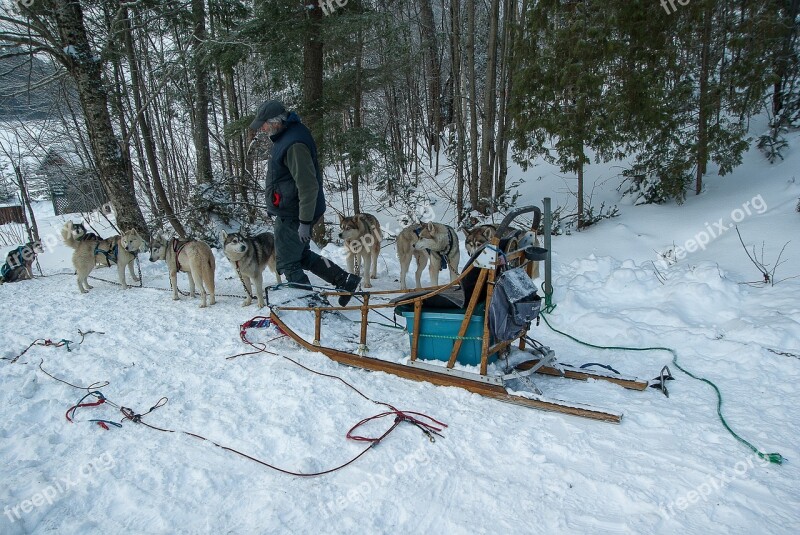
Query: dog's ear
431	227
223	235
465	231
341	219
488	232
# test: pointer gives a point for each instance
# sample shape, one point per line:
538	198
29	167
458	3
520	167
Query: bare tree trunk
357	155
458	135
201	143
85	70
704	103
785	55
428	28
144	127
507	85
312	92
489	113
312	74
580	194
473	105
33	234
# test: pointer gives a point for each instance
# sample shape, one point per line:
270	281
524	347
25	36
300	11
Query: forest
403	97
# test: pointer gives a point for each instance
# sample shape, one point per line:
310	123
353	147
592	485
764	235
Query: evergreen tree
564	95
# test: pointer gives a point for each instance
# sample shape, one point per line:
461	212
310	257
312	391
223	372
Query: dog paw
175	298
247	303
203	305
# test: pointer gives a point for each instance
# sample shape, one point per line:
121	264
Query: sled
491	369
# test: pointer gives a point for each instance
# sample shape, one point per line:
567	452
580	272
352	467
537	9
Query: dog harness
177	247
13	261
111	254
444	255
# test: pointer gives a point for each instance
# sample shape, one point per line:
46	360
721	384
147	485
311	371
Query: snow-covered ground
669	467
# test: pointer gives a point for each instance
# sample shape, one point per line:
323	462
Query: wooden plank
437	291
317	326
473	301
389	292
415	336
488	390
499	346
486	333
630	383
12	214
364	318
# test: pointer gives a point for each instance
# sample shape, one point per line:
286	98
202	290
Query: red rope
243	336
38	342
427	424
400	416
79	405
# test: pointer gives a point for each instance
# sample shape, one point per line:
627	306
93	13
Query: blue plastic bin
443	325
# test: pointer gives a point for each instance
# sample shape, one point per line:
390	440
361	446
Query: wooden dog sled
476	284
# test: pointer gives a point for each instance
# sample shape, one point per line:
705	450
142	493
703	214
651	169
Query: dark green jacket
294	179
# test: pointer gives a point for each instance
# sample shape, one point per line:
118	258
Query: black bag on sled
515	304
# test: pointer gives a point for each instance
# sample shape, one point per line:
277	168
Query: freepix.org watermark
60	486
413	461
714	484
713	231
669	5
327	5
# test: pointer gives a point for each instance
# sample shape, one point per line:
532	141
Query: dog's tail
69	239
211	274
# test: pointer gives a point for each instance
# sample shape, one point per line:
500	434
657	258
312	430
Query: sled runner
471	333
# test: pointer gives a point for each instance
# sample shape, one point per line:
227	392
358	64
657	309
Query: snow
669	467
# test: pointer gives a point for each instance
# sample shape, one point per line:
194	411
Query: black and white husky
19	262
249	256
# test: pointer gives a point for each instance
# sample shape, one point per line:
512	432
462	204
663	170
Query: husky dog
479	235
249	257
119	250
362	240
79	233
193	258
19	262
428	241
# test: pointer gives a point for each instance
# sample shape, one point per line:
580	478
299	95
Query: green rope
775	458
441	336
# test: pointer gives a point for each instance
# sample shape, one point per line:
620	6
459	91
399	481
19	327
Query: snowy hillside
669	467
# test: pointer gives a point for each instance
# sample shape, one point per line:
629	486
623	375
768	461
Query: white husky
193	258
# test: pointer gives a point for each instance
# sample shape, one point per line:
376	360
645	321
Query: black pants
295	257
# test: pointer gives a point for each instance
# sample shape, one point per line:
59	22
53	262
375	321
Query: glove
305	232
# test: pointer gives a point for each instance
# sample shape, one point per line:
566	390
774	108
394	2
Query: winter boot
332	274
348	284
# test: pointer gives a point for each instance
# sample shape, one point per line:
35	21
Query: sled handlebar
537	216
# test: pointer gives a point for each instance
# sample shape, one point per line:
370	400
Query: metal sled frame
541	362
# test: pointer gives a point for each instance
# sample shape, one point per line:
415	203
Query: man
296	199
